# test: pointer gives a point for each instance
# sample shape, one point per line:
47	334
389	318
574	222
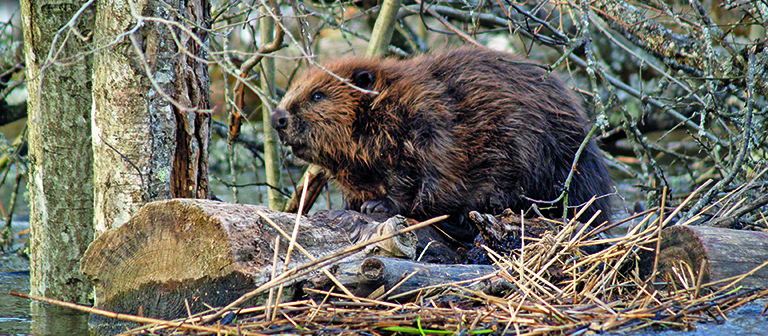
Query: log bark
200	252
402	279
191	89
724	252
60	179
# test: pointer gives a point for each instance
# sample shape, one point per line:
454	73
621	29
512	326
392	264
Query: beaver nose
279	119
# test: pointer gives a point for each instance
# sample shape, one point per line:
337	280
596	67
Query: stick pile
558	289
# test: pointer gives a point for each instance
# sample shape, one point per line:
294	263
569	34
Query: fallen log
182	256
389	278
718	252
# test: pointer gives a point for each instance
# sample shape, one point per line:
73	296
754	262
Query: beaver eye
317	97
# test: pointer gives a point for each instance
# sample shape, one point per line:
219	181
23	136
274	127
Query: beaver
445	132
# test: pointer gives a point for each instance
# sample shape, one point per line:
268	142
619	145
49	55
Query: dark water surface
744	321
14	312
20	316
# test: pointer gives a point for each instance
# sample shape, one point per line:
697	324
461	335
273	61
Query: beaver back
444	133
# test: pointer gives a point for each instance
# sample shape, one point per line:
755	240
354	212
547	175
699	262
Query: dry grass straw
558	290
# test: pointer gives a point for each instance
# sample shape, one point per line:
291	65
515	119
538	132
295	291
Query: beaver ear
362	78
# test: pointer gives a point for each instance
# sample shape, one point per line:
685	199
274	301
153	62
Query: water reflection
744	321
54	320
20	316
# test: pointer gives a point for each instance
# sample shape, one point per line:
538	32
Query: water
19	316
744	321
14	312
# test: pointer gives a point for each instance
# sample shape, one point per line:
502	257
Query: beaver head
326	116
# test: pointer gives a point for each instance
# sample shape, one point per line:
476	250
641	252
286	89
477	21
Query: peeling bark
150	126
193	131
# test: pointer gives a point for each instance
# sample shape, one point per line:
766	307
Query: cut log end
191	253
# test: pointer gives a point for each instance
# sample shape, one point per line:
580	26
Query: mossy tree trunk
60	179
151	125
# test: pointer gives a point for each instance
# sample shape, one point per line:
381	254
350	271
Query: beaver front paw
378	206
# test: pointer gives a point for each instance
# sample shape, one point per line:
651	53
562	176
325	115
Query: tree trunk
151	126
271	157
383	29
61	177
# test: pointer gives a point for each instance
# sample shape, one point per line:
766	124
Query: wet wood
402	279
181	252
317	180
724	252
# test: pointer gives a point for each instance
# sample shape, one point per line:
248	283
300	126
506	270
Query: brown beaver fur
444	133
